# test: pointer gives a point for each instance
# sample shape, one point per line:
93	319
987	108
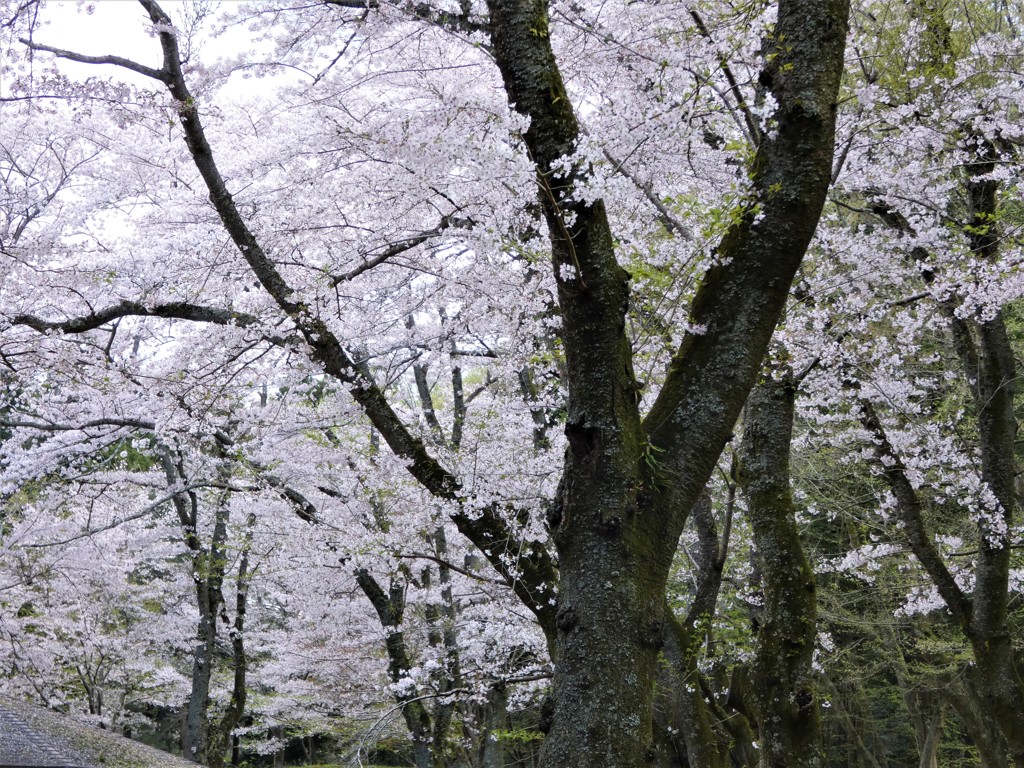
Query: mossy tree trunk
629	482
783	691
688	730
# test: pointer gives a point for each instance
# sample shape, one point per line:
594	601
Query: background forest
293	363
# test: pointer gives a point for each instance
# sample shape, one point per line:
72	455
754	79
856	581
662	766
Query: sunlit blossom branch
483	527
528	568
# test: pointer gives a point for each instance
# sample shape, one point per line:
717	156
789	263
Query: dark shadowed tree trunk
989	367
982	731
783	691
208	562
629	482
688	731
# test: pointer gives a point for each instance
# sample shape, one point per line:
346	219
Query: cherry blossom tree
312	249
920	338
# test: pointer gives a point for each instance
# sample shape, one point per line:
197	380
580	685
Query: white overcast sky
120	28
115	27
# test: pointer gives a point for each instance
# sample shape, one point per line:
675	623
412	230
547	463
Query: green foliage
518	736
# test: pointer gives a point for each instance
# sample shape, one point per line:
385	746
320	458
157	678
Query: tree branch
50	427
117	61
911	511
667	218
485	528
395	249
742	296
120	521
177	310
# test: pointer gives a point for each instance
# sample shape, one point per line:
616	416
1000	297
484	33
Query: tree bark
628	482
784	690
981	730
688	731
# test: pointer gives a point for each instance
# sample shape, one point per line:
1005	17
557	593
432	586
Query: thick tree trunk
985	350
604	678
784	692
629	484
981	730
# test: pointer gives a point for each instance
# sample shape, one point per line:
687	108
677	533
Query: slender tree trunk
221	736
691	738
985	350
443	636
932	738
495	714
208	565
989	366
194	738
853	733
784	690
390	608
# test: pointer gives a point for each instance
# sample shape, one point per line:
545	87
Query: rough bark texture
784	692
629	482
688	732
984	733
